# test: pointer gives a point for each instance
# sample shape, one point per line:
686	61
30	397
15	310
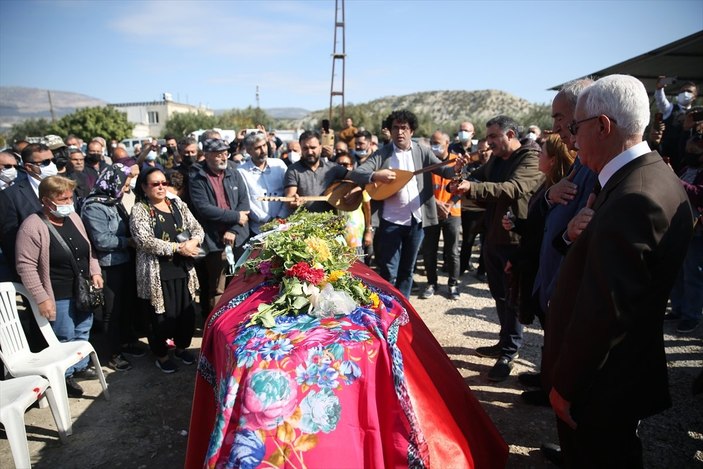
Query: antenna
338	55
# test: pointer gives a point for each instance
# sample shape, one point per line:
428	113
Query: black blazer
17	202
604	345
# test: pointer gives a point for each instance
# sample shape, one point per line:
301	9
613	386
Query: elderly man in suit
22	199
605	353
404	214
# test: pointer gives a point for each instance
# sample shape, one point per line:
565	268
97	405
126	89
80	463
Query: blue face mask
62	211
360	152
151	156
437	150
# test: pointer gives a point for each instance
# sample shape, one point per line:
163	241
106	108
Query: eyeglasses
574	126
159	184
8	166
43	163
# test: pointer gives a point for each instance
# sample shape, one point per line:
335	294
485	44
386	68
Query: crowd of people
590	227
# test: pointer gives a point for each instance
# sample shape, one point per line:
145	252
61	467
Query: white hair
622	98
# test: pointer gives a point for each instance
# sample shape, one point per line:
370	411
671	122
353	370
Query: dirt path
145	423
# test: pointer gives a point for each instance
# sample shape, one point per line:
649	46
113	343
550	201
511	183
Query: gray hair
622	98
253	138
571	90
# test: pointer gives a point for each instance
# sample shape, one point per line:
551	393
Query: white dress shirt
405	205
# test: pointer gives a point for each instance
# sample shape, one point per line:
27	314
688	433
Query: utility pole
51	107
257	97
338	54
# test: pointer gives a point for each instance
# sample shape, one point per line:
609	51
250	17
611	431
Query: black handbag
86	296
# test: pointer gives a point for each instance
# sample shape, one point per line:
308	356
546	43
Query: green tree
30	128
89	122
183	123
248	118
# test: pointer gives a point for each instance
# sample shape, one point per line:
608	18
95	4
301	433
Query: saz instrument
383	190
339	195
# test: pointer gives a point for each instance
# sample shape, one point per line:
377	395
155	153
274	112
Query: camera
697	116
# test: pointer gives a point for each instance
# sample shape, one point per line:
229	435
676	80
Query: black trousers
601	442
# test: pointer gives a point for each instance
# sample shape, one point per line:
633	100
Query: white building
150	117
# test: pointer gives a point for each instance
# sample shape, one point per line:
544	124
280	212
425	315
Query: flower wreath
307	255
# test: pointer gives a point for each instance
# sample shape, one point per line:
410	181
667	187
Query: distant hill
438	109
445	109
18	103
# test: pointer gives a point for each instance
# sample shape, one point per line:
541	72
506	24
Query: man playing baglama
605	352
311	176
403	215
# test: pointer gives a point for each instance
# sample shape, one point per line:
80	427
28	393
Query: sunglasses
42	163
159	184
8	166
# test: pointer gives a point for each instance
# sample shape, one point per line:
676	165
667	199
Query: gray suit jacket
422	156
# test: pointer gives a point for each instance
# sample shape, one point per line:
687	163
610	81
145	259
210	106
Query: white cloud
228	30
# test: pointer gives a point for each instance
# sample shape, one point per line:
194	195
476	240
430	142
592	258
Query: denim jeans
398	246
71	324
687	294
449	229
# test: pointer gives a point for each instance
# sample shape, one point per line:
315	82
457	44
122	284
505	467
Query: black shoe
672	317
167	366
428	293
492	351
88	373
537	398
119	363
185	356
73	389
135	349
552	453
501	370
687	325
531	380
453	292
480	276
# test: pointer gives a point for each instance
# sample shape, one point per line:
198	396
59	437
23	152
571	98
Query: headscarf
108	187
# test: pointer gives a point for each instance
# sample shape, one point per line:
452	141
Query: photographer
673	116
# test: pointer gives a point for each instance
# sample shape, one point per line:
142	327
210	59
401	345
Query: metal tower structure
338	54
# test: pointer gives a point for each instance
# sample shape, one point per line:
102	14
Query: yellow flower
375	300
335	275
318	247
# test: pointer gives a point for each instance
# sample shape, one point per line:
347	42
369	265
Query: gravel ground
145	423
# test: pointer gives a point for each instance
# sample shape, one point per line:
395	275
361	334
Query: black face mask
170	151
92	159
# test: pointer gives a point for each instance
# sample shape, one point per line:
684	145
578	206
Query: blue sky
216	53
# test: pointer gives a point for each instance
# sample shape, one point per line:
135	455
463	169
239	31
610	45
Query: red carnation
304	272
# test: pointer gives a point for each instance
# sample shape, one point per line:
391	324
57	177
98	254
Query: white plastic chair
16	395
52	362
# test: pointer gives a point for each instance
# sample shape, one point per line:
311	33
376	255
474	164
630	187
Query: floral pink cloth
324	392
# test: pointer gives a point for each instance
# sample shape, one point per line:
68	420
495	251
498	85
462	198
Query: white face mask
8	175
437	150
133	183
684	98
62	211
532	136
48	170
151	156
464	136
